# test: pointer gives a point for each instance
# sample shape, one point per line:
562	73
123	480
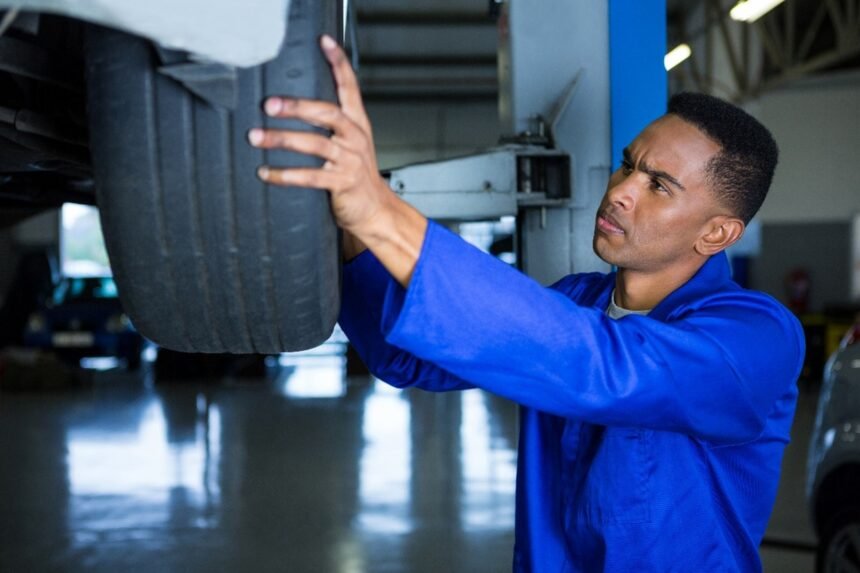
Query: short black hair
742	171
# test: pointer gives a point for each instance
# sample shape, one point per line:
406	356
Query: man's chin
602	252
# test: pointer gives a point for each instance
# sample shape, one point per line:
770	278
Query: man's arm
365	282
715	374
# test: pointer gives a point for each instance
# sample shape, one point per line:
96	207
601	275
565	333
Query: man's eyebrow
645	168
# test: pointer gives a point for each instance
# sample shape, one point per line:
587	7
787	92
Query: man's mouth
608	224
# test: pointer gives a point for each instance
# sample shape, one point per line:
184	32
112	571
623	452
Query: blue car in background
84	318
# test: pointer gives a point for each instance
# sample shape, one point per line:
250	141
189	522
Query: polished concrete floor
789	543
304	472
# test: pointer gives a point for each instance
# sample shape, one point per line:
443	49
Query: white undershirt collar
615	312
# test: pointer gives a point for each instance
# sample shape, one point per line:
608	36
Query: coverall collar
711	277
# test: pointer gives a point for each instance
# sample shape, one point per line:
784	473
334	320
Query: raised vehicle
142	108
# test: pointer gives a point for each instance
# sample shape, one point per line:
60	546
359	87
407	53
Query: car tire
206	257
840	544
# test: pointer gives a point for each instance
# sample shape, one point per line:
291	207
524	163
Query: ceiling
446	49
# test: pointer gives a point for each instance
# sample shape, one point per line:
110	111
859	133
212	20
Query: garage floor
264	476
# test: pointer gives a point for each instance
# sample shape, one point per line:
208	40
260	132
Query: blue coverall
648	443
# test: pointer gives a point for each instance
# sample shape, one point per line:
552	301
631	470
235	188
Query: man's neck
642	290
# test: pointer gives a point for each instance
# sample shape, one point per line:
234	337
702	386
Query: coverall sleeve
365	281
714	373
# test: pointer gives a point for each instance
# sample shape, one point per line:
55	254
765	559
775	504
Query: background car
833	471
143	109
85	318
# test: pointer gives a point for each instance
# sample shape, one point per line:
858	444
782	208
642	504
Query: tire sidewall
831	535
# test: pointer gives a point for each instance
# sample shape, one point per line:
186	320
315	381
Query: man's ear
720	233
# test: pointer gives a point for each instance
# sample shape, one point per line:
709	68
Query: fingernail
255	136
328	42
263	172
273	105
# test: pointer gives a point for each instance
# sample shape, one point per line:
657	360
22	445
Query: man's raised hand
362	203
350	172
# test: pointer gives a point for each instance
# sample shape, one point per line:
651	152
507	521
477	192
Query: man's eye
657	186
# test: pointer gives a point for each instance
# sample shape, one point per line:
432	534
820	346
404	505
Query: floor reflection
316	373
148	472
385	466
260	477
279	476
489	470
144	460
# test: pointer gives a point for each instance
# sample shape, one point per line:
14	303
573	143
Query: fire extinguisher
798	286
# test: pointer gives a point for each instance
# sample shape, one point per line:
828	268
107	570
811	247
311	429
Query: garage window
82	247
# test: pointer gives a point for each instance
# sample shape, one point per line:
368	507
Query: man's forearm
395	237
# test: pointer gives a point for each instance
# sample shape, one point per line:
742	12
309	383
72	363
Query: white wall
410	132
816	123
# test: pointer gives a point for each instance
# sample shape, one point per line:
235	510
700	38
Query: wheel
839	550
205	256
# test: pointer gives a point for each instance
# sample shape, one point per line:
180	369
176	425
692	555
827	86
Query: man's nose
622	195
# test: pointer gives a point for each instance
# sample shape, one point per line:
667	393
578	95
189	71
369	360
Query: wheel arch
838	492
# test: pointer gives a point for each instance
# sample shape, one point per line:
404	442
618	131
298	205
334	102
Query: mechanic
656	400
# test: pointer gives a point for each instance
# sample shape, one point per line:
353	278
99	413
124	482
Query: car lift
578	81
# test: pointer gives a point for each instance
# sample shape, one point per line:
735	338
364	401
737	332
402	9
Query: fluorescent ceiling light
752	10
676	56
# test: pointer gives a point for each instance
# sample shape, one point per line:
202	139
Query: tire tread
206	256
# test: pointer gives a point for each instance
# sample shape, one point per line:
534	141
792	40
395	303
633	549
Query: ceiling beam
464	60
402	18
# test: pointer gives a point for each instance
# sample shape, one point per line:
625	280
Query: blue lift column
593	70
638	84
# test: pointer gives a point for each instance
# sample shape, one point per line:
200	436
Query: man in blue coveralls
656	401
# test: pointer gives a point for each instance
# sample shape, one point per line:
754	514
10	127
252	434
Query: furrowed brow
661	175
645	168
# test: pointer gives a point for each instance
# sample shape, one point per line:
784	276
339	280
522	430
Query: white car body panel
234	32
